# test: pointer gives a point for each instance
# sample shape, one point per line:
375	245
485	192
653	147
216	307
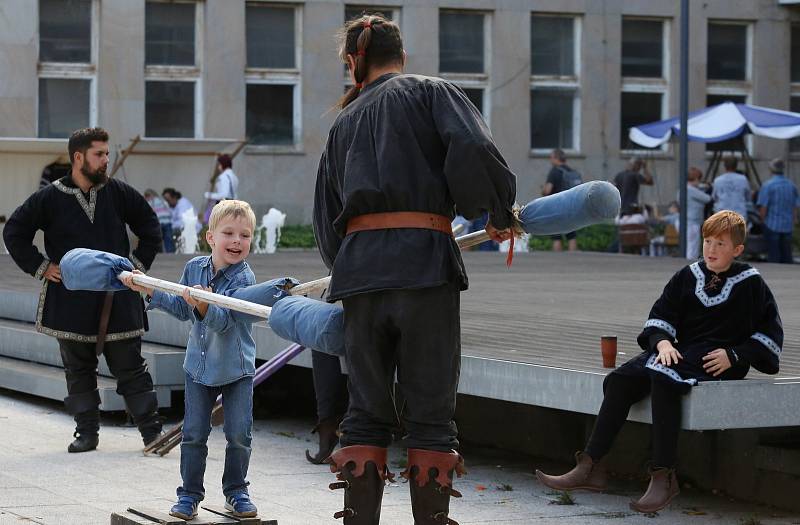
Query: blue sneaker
240	505
185	508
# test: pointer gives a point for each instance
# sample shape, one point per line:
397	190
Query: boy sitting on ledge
714	320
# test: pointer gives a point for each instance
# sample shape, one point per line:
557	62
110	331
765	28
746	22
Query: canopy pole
684	136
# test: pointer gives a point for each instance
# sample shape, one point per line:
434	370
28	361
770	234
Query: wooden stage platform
531	333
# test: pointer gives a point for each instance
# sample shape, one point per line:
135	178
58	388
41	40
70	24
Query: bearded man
85	209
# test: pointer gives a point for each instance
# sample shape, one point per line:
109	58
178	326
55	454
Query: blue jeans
779	246
238	399
166	233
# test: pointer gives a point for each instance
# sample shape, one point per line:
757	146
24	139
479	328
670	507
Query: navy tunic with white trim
98	220
700	311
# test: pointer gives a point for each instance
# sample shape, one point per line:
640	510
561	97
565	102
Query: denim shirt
221	348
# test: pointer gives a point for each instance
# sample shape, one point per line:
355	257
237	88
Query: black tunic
407	143
71	219
699	312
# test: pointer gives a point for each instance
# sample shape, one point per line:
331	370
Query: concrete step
20	340
48	381
19	306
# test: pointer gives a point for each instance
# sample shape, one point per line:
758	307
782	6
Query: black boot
328	439
430	475
362	472
87	427
143	408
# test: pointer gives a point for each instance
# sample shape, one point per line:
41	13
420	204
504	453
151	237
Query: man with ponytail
405	154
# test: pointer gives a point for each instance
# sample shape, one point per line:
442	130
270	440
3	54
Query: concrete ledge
48	381
709	406
21	341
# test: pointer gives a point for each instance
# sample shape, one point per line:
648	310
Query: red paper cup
608	347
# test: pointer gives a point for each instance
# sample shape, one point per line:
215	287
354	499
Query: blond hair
726	221
231	208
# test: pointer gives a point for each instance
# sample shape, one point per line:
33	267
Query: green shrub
595	238
297	236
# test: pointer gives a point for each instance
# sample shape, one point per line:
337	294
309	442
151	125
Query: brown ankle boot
362	472
662	489
587	475
430	476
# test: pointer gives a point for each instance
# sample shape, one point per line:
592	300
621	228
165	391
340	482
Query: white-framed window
729	70
645	73
274	90
794	101
555	83
465	53
173	65
358	10
67	69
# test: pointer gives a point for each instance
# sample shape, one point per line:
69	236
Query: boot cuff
359	456
443	462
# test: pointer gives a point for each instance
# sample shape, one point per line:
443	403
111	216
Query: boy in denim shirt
220	359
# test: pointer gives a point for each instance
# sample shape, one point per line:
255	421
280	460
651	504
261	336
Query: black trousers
330	386
415	334
621	391
125	361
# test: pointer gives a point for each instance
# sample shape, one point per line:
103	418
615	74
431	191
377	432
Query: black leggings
620	393
330	386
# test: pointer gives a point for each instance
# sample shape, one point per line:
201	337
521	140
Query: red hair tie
367	24
361	53
359	85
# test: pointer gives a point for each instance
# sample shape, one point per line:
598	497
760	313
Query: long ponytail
373	41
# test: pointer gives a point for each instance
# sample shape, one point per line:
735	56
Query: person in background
179	205
224	184
164	215
777	203
731	190
696	200
561	177
629	181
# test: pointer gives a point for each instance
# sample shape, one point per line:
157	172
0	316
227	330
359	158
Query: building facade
192	76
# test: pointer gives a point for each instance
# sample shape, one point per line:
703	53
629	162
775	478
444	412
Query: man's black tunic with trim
71	219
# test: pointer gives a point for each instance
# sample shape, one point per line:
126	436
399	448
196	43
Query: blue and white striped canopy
721	122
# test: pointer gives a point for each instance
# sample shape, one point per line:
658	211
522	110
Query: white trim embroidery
730	282
658	323
88	207
766	341
669	372
41	269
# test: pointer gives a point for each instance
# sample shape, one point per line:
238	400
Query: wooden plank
155	516
222	511
128	518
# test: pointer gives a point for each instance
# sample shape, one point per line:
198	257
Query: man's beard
96	177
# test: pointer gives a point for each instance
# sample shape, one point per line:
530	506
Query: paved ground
40	483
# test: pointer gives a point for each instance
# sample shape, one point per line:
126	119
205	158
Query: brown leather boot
430	475
328	439
587	475
662	489
362	472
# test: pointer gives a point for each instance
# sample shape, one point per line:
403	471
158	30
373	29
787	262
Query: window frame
281	77
480	81
183	73
737	88
649	84
570	83
72	70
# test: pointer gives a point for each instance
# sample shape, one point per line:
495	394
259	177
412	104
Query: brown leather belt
399	219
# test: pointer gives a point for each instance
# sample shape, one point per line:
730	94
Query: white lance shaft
319	285
200	294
